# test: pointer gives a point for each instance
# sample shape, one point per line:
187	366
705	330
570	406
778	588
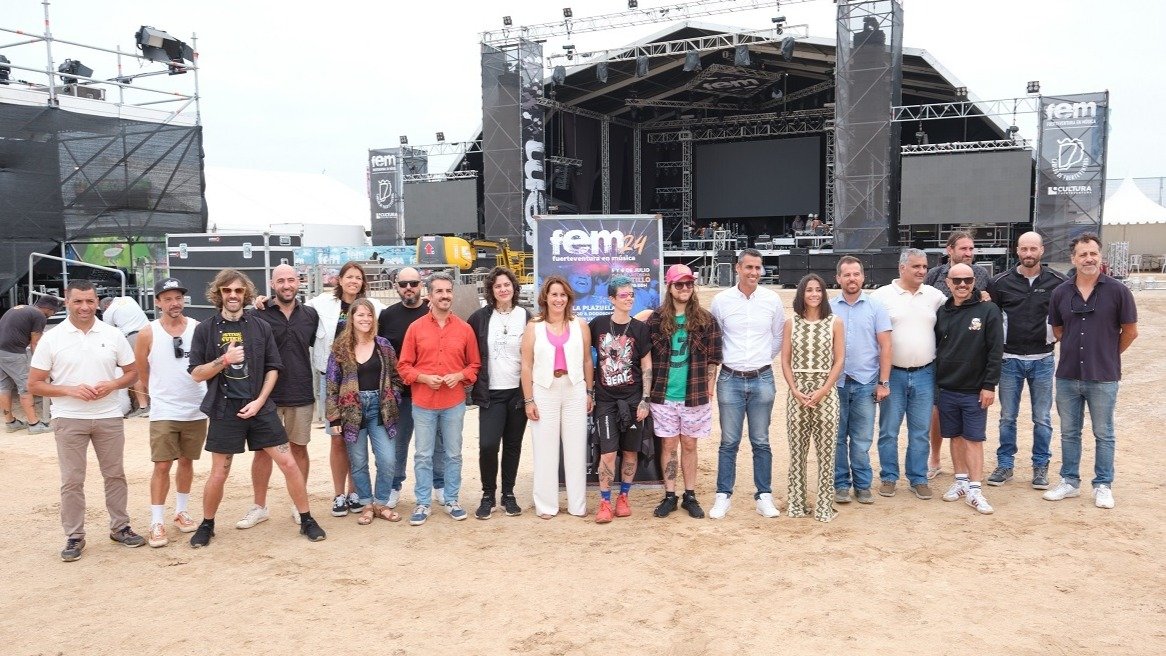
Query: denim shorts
960	415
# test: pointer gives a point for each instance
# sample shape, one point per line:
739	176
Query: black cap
166	284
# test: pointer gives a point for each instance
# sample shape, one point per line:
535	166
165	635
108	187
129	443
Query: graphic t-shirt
620	348
235	375
678	365
343	318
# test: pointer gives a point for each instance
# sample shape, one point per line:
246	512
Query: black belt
910	369
129	335
746	374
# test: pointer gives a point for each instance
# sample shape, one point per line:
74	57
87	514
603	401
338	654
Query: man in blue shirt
865	380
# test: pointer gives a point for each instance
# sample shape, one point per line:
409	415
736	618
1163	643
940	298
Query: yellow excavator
455	251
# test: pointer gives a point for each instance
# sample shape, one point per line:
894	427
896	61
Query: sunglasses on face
625	295
962	281
683	284
408	283
233	290
178	350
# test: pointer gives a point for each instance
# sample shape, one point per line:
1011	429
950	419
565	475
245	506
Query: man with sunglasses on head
1096	320
293	325
392	324
177	425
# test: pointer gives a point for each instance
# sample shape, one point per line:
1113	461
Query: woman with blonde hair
557	378
363	390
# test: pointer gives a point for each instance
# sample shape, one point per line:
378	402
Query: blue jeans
404	435
426	424
1072	397
1039	374
912	395
737	399
372	431
856	417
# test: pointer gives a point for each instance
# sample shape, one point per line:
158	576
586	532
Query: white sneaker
158	535
439	496
1103	496
256	515
394	498
977	501
1062	491
765	506
296	515
720	506
957	490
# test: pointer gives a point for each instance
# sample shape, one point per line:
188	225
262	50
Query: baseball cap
166	284
678	272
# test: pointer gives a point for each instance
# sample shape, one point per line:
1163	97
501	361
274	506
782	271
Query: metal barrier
65	262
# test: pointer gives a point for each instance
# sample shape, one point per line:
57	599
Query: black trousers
501	424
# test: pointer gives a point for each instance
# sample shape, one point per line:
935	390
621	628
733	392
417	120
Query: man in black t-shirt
20	330
622	385
392	324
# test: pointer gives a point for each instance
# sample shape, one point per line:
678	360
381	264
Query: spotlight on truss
567	13
404	140
507	21
73	67
632	4
5	71
157	45
787	48
440	137
1034	86
691	61
961	92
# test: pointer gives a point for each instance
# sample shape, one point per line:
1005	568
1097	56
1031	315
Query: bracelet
528	401
590	392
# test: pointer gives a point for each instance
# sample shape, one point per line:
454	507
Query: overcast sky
312	90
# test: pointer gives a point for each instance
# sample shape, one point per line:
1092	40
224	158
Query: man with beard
392	324
293	325
1023	295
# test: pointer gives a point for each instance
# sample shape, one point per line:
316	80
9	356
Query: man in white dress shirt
751	320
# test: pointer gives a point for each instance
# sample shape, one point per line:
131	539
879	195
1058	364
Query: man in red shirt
439	360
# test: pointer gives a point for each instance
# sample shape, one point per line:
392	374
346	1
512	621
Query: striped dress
812	356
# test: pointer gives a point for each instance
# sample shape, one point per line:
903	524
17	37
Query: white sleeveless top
174	395
543	373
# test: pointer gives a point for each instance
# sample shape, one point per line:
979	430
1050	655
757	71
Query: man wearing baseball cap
177	426
686	349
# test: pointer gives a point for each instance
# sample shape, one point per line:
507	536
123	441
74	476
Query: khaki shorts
170	440
297	421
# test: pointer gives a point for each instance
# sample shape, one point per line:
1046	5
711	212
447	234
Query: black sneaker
340	506
310	528
510	505
690	504
354	504
202	536
1000	476
73	549
127	537
485	508
1040	477
666	506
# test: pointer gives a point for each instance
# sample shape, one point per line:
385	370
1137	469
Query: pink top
558	341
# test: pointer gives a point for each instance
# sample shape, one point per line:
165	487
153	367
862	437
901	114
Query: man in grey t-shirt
20	330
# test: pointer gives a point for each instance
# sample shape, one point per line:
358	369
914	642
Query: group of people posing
933	348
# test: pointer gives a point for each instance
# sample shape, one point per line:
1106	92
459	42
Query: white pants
562	412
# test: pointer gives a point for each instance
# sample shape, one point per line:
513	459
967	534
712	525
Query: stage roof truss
587	113
742	119
967	146
681	47
966	108
440	177
807	125
563	161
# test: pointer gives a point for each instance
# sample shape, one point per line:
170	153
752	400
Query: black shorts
611	438
230	434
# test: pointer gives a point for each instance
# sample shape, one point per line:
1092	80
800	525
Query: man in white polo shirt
81	357
912	306
751	320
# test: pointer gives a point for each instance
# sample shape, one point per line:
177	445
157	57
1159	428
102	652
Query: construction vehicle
455	251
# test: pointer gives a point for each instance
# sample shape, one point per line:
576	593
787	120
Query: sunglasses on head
683	284
233	290
962	281
408	283
178	350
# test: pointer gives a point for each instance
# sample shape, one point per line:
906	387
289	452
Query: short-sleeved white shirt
125	314
912	322
73	357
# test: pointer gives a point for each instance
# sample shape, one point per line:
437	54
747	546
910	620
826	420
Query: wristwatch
884	383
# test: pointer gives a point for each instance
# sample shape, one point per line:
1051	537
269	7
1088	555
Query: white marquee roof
1128	205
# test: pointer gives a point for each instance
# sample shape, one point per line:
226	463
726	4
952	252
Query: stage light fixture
691	61
567	13
787	48
440	137
507	21
921	136
1034	86
776	94
642	66
961	92
558	75
741	55
601	72
632	4
74	67
404	140
5	71
157	45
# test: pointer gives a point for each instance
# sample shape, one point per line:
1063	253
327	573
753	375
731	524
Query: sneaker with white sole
1063	490
439	496
957	490
455	511
16	425
184	523
420	514
296	515
158	535
976	500
765	506
39	428
721	506
340	506
255	515
1103	496
394	498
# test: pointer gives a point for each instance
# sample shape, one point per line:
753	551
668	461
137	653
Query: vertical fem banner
1070	185
588	250
384	195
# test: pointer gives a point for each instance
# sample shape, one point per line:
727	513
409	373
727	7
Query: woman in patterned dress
812	352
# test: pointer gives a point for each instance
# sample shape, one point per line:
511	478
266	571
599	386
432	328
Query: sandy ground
902	576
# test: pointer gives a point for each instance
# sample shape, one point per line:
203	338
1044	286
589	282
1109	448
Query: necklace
505	319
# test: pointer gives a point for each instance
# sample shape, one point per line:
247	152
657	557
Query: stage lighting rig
570	48
778	24
440	137
157	45
567	13
1034	86
632	4
961	92
73	67
507	21
404	140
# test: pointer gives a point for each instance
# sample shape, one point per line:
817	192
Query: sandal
385	513
366	516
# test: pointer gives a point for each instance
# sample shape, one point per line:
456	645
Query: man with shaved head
294	326
1022	293
969	342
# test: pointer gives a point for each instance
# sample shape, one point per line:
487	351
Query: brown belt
559	373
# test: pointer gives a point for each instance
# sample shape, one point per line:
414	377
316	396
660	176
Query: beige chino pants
73	439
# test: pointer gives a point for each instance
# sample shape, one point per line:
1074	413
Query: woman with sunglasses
499	327
812	356
363	390
556	387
